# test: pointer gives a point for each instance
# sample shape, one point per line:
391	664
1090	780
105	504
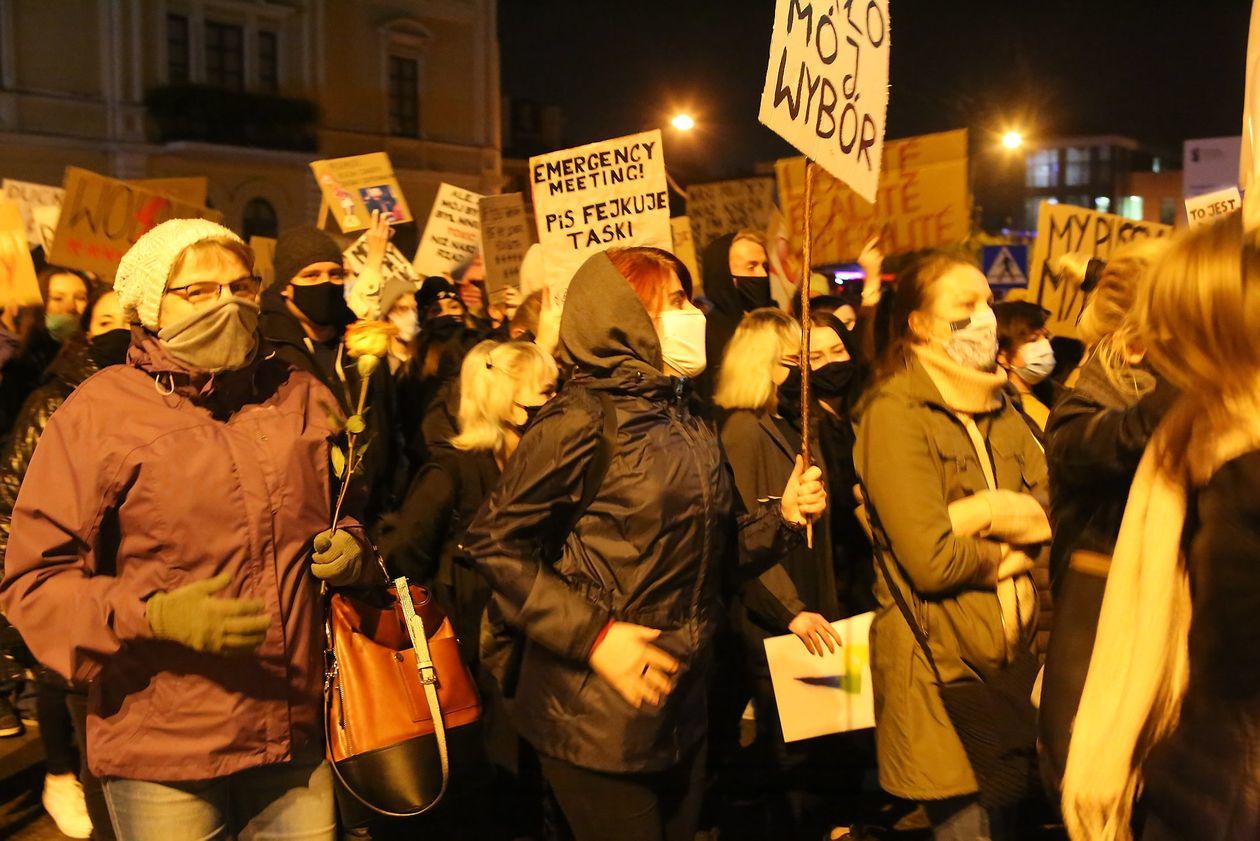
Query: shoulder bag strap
428	677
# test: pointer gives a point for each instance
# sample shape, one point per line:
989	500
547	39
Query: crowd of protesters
608	501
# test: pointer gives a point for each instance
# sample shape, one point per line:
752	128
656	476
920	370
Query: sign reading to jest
826	88
599	196
1203	209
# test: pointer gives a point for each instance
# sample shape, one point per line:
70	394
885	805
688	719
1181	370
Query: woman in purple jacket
161	548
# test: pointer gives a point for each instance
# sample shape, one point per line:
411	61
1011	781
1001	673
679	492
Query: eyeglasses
207	291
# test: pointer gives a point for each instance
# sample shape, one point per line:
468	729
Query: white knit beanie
146	267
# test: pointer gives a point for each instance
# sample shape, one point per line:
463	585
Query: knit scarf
1140	663
963	389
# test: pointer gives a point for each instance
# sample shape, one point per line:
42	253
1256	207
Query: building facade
248	92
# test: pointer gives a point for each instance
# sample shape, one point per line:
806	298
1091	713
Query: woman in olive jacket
619	602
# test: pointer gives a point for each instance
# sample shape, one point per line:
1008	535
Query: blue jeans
285	801
963	819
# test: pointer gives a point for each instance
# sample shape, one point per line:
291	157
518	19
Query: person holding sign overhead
603	543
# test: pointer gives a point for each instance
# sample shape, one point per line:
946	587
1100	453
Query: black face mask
753	291
323	303
833	379
790	395
444	327
110	348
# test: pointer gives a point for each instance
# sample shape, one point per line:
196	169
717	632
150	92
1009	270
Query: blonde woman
1094	440
1171	706
798	594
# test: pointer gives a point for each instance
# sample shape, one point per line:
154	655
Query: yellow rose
369	338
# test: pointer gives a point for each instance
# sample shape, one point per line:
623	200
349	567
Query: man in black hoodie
736	281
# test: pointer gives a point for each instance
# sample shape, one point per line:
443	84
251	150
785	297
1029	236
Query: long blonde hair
745	381
488	381
1197	318
1109	325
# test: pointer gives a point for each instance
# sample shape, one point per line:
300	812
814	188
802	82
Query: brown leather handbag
399	701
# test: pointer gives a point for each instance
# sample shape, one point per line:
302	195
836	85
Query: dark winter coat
149	478
647	550
1201	781
729	308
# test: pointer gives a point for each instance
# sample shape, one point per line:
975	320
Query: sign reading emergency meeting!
826	88
610	194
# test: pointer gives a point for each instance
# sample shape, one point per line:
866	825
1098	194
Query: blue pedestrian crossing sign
1006	265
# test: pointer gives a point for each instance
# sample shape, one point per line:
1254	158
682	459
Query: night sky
1157	71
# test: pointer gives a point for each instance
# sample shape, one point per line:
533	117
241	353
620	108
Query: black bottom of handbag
406	778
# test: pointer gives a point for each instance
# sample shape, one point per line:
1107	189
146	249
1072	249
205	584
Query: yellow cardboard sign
264	259
1064	229
355	187
922	201
18	286
102	217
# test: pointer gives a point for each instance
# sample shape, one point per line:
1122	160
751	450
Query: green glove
338	558
192	616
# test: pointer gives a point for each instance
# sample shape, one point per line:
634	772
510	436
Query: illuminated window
1131	208
1102	204
1043	168
1077	166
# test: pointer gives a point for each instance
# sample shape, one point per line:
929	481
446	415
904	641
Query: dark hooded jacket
729	307
648	549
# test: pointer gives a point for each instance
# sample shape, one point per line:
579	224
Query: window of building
404	96
225	55
1077	170
1167	211
268	62
1043	168
1102	204
1131	208
178	65
259	219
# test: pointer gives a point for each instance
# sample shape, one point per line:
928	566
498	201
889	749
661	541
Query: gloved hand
338	558
190	615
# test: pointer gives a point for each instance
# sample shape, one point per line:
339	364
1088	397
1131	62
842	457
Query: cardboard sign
1063	229
18	285
354	187
453	232
187	190
685	249
826	88
264	249
1203	209
102	217
610	194
818	696
728	206
30	200
922	202
505	237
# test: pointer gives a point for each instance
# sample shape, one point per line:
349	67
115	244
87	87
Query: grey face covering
219	338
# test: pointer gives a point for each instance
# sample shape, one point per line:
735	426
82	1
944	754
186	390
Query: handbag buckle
428	674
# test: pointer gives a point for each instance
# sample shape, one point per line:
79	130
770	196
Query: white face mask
408	324
682	340
972	342
1038	361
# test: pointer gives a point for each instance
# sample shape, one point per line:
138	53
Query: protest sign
922	202
18	285
1063	229
187	190
505	237
452	234
1203	209
599	196
1211	164
1249	156
30	199
355	187
728	206
818	696
264	249
101	218
685	249
826	89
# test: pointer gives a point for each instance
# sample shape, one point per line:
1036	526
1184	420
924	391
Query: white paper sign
818	696
40	206
610	194
452	234
505	236
826	88
1203	209
364	295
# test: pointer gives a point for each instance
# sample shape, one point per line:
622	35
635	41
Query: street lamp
683	122
1012	140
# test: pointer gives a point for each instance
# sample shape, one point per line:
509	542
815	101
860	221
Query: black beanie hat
434	288
298	248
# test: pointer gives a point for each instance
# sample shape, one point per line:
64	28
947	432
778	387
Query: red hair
649	271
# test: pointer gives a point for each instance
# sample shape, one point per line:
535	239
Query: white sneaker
63	801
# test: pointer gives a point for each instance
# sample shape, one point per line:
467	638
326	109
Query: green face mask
61	326
220	338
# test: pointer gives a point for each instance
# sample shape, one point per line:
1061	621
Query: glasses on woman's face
209	291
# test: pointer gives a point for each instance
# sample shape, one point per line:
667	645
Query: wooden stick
806	258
